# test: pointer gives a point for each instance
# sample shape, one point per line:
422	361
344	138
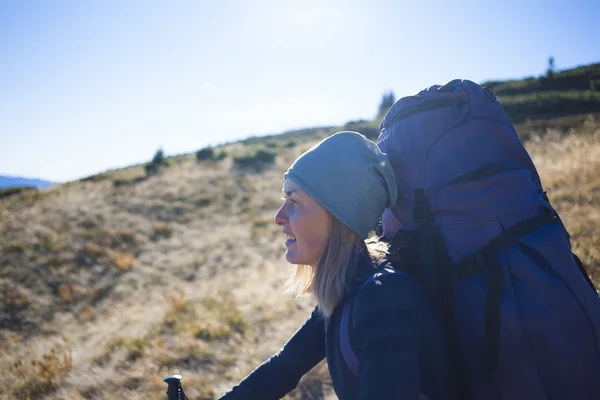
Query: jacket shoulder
388	290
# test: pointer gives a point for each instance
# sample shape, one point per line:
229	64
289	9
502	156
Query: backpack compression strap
485	258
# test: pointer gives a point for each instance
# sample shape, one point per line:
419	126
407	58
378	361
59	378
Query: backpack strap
347	351
485	258
471	264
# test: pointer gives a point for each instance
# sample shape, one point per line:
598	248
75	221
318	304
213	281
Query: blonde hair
337	268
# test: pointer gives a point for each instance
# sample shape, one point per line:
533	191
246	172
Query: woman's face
306	223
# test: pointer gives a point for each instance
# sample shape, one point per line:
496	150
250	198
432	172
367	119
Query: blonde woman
334	195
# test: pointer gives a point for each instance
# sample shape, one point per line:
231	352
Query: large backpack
474	225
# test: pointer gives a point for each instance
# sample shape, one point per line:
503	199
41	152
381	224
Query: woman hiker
334	195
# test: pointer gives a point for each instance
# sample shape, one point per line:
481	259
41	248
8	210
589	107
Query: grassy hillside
113	282
563	93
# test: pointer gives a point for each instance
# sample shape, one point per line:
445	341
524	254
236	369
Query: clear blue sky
87	86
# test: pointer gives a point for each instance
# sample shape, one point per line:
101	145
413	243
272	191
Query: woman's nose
281	216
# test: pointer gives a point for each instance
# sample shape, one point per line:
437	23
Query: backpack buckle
421	207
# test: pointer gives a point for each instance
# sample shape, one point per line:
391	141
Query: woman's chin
289	256
293	258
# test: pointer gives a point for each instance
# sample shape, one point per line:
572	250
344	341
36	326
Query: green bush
368	128
39	378
205	154
255	159
151	169
11	191
95	178
209	154
161	231
158	161
130	181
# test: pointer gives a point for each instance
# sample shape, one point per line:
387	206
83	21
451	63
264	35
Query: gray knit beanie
350	177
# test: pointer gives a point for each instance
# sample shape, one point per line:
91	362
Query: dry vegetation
568	161
112	283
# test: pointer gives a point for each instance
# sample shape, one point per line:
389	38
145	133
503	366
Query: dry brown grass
36	377
569	166
182	272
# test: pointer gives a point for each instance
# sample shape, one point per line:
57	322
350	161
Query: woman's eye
290	200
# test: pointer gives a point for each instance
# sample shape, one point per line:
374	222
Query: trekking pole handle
175	390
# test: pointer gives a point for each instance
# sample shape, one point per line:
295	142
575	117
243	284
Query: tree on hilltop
387	100
551	68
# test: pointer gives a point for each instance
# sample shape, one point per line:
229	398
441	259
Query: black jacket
395	337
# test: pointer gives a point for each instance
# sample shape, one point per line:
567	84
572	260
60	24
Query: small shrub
88	314
41	377
15	297
260	225
134	346
228	313
48	242
125	239
11	191
65	291
257	159
95	178
123	261
265	156
368	128
181	315
94	250
14	248
124	182
203	202
209	154
212	331
88	224
90	254
161	232
177	302
235	320
205	154
158	161
151	169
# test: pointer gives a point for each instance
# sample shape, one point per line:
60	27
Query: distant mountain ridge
13	181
